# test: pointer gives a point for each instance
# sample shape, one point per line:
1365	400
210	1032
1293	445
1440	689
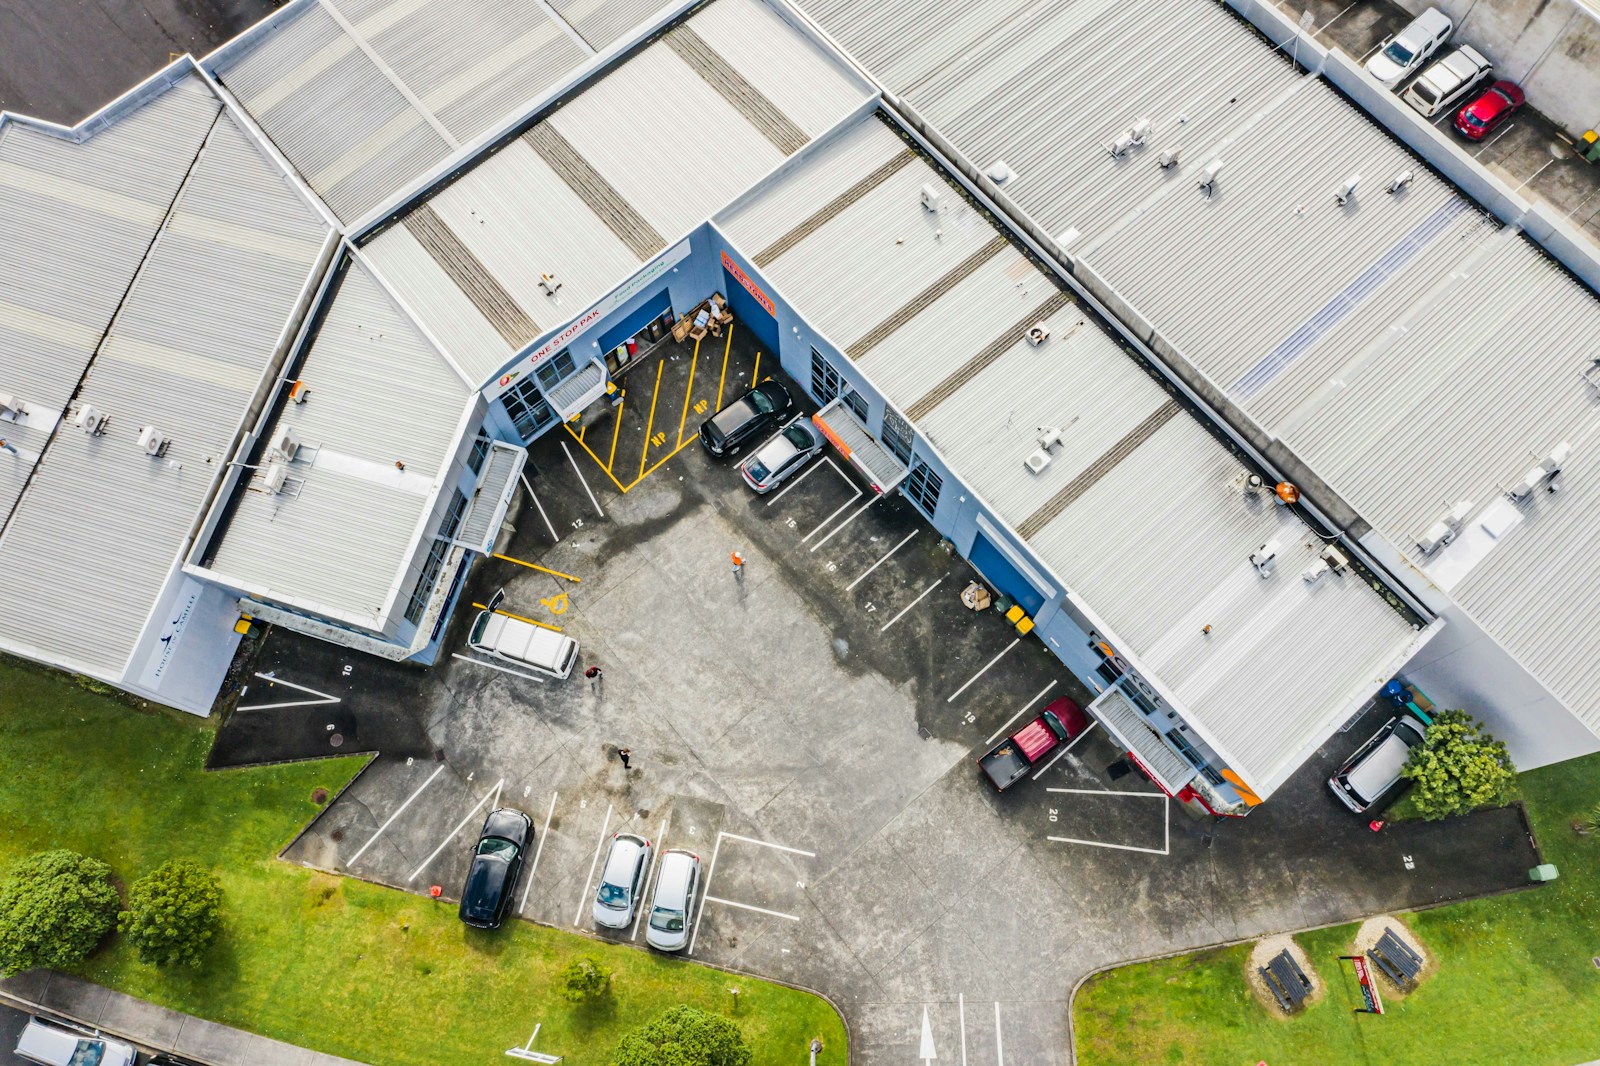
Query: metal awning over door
876	463
1124	722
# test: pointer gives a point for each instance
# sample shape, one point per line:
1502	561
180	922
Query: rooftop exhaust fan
1038	333
1208	179
1544	474
299	392
1444	531
1401	180
1000	172
550	284
1347	191
1169	158
1265	558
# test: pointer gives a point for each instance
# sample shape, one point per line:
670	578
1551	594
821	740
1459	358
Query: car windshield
667	921
478	627
612	895
758	470
761	401
1399	53
1471	119
87	1053
799	436
497	846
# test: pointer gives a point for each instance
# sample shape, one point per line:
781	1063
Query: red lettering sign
743	279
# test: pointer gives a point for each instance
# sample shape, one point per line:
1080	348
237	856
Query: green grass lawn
1515	984
333	964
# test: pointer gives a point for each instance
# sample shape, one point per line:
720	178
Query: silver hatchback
621	881
672	902
774	461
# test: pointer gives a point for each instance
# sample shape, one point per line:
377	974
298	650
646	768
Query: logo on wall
744	279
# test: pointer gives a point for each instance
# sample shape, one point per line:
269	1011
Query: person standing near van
595	675
625	754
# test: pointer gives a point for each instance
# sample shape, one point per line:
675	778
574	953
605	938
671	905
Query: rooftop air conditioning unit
1347	191
1265	558
10	406
1049	436
273	476
1444	531
91	420
1037	460
1400	181
152	442
1543	474
284	444
1038	333
1337	560
1208	178
1169	158
1121	145
1140	131
930	197
1318	570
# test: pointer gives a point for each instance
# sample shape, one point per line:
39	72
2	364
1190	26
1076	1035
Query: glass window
430	574
897	434
452	517
857	403
825	378
558	367
923	487
480	449
528	411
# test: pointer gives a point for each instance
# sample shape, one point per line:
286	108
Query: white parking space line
538	850
488	797
1106	792
961	1014
322	697
583	479
985	670
387	822
1103	844
748	907
920	597
840	527
1037	697
813	469
649	878
584	898
1166	822
1069	747
704	892
999	1044
766	844
880	562
493	666
824	523
1493	139
535	497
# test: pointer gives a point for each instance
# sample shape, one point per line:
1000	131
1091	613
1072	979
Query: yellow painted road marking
688	392
755	375
724	380
658	463
536	566
595	457
650	425
616	431
518	617
557	604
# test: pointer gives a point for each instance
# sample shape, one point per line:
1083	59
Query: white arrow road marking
927	1054
322	697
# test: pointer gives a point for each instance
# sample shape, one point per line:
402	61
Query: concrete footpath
72	998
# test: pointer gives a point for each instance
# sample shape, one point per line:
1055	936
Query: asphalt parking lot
807	729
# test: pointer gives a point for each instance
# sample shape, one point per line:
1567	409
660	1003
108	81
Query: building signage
581	325
844	449
1369	987
176	622
744	279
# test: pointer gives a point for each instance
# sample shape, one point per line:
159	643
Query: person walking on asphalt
625	754
738	566
595	676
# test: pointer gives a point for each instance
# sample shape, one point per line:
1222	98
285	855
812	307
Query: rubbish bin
1003	603
1544	872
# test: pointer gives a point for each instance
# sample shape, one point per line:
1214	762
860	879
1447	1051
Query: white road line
814	467
765	844
1103	844
1106	792
961	1009
999	1045
747	907
387	822
1093	722
1535	174
1022	712
583	479
538	850
840	527
535	497
920	597
649	878
493	666
1492	140
880	562
824	523
476	807
701	913
322	697
584	898
985	670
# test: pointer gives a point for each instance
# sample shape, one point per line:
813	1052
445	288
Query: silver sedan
781	456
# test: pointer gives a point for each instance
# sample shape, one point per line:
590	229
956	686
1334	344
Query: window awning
876	463
1124	722
579	390
496	486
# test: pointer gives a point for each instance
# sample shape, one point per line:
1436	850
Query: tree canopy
1458	768
55	907
684	1036
174	913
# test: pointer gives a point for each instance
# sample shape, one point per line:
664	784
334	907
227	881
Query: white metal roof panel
604	22
380	394
904	41
103	525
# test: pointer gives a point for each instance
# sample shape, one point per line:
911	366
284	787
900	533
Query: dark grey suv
747	419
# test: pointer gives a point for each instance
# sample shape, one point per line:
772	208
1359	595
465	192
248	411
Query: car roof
776	450
1381	766
625	851
507	822
47	1042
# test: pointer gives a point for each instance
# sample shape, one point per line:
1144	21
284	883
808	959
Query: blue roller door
1003	575
648	312
749	314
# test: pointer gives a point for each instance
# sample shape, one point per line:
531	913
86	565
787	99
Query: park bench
1396	959
1288	982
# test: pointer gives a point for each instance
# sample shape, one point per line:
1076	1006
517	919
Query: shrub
55	908
583	980
684	1036
173	913
1458	768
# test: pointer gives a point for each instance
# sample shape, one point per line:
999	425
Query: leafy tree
583	980
1458	768
174	913
683	1036
55	907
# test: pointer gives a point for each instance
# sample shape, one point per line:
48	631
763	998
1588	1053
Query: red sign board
744	279
1369	986
844	449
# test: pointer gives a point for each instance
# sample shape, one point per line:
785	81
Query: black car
496	862
750	417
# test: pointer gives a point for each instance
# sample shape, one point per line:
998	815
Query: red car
1477	119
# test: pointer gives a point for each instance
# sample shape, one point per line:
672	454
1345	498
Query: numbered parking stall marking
751	876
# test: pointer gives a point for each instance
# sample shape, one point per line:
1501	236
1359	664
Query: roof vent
1169	157
1000	172
91	420
284	445
1208	179
1288	493
1141	131
930	197
1444	531
1265	558
1049	437
1337	560
1038	333
550	284
1347	191
1318	570
11	408
299	392
152	442
1253	484
1544	474
1400	181
273	476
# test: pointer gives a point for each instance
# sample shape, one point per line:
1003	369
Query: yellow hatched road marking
688	392
650	425
595	457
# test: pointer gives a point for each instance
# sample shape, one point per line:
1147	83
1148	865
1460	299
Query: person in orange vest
738	565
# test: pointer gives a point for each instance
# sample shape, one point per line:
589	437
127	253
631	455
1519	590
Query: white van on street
523	643
51	1046
1447	81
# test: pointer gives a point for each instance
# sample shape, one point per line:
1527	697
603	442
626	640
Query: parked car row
502	847
1446	82
752	417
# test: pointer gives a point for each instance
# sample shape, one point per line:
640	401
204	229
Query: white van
1410	48
1373	772
523	643
50	1046
1447	81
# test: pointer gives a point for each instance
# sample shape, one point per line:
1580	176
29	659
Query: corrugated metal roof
604	22
344	532
103	525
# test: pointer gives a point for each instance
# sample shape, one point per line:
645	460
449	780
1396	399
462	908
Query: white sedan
781	456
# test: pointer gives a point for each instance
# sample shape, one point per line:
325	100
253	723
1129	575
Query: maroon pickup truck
1010	760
